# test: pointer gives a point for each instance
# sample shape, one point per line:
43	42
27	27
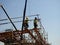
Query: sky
49	11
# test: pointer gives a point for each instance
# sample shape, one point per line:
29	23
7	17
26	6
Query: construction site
24	36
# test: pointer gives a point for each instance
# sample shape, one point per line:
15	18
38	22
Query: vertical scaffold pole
24	13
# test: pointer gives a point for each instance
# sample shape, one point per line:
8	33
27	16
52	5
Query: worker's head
35	17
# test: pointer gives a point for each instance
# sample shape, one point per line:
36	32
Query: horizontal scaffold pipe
15	22
19	17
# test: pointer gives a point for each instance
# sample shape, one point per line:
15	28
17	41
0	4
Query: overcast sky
49	11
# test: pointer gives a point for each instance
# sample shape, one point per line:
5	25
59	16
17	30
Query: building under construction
24	36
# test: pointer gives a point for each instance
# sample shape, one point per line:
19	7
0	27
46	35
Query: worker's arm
38	20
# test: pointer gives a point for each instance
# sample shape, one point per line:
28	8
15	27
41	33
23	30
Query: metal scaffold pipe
13	22
8	17
24	13
18	17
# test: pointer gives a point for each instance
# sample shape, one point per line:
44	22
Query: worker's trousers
26	25
35	25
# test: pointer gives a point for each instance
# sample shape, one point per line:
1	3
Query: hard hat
26	17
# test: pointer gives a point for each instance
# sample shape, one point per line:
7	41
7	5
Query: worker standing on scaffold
26	23
35	22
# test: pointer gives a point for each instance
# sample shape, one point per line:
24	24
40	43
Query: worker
35	22
26	23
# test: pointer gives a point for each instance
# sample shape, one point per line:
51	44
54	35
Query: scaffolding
34	36
26	36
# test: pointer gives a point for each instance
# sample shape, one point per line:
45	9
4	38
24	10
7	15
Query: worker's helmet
26	17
